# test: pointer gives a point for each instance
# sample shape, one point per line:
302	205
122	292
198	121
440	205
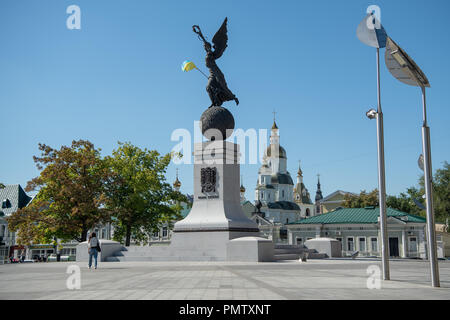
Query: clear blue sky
119	79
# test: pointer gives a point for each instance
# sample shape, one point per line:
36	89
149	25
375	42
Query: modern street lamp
403	68
371	32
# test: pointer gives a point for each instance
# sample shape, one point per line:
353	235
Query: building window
374	244
412	244
6	204
318	209
282	194
362	244
350	244
340	240
307	212
299	240
155	234
287	221
164	232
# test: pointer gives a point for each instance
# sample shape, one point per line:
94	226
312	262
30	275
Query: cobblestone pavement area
315	279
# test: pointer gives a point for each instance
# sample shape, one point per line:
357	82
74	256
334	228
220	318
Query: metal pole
431	233
381	179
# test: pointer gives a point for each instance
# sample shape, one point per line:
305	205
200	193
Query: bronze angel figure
217	86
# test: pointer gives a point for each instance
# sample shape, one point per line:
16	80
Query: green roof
285	205
367	215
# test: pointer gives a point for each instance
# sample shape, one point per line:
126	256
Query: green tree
441	196
34	225
413	200
70	194
138	196
362	200
407	202
404	202
441	193
2	185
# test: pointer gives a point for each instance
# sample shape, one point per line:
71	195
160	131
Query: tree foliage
404	202
70	194
138	196
34	225
409	202
78	190
362	200
412	201
441	195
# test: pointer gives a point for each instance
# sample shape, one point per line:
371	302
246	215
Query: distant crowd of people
21	258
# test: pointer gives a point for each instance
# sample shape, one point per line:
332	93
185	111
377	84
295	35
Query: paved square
315	279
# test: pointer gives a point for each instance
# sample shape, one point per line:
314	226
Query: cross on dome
274	126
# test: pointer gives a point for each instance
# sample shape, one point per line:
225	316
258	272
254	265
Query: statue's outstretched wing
220	40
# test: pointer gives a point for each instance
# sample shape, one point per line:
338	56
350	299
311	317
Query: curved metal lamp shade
371	32
402	67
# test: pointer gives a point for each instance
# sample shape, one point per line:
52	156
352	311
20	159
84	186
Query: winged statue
217	86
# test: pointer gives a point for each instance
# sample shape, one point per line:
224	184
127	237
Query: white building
358	229
282	201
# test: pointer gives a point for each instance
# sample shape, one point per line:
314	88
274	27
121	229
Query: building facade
13	197
358	230
331	201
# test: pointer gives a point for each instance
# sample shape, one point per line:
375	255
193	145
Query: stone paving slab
283	280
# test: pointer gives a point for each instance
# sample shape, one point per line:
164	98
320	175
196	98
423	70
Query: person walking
93	249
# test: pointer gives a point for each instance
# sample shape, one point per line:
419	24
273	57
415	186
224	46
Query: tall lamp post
371	32
403	68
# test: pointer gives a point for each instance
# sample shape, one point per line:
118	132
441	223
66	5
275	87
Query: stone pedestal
331	247
216	206
216	215
250	249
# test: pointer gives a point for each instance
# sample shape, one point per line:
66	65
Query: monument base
331	247
201	245
250	249
216	228
216	217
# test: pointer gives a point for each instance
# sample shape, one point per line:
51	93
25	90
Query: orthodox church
282	201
